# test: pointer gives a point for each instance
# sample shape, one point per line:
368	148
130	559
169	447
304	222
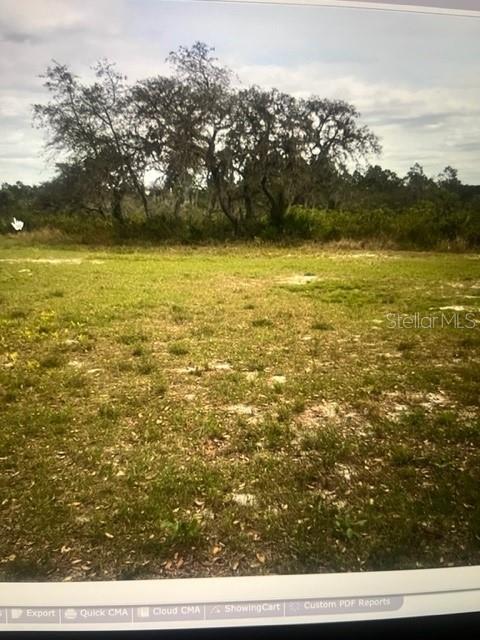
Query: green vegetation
223	163
235	411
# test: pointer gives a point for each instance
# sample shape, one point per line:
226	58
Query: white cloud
413	78
43	16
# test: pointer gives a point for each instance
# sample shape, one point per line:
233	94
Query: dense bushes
64	228
419	226
446	219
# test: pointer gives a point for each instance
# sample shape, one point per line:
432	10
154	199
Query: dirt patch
361	256
220	366
326	413
75	363
50	261
191	370
324	410
300	279
242	409
250	413
396	404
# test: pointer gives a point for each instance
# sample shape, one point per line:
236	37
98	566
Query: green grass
141	391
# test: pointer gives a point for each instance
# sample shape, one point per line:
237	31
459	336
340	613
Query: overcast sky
414	78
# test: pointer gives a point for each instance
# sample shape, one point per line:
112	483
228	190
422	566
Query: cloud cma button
168	612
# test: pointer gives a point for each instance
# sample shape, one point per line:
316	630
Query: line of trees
246	149
193	146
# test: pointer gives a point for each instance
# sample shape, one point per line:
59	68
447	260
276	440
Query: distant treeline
227	162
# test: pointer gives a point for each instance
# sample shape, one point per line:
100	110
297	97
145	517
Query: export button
35	615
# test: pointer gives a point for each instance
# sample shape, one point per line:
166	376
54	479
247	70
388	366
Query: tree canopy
249	149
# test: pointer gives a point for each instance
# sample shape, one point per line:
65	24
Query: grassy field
235	411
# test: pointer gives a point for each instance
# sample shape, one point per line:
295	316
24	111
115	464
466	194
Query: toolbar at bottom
199	611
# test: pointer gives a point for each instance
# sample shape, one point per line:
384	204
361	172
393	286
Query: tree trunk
249	209
278	205
117	211
179	200
212	201
226	208
143	197
278	211
140	189
225	203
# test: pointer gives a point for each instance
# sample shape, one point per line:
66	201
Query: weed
261	322
178	349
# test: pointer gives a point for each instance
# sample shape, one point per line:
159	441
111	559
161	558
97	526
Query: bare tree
212	101
94	124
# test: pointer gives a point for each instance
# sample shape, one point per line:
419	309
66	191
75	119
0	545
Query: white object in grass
244	499
17	224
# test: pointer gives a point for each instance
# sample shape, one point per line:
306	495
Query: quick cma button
96	614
